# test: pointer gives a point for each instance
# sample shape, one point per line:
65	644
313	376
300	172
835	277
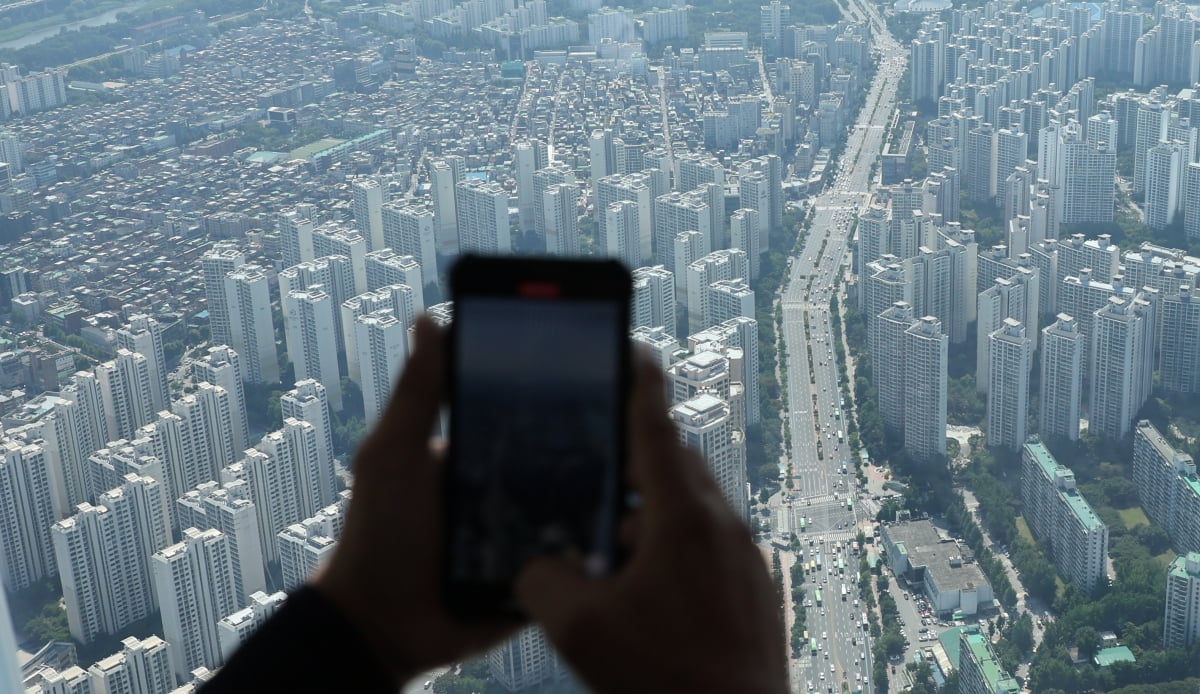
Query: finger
407	423
553	591
652	435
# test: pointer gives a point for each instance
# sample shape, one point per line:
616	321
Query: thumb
554	591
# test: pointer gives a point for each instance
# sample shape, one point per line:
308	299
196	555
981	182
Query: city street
815	411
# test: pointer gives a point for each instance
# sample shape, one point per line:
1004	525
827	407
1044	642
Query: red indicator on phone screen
539	290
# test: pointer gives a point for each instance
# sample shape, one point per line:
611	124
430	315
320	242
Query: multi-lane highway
816	413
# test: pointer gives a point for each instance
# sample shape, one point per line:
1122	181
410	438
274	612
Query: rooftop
1081	509
1186	566
943	559
997	679
1051	469
950	642
308	151
1119	654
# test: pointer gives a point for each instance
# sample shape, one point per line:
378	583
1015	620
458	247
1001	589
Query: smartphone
539	383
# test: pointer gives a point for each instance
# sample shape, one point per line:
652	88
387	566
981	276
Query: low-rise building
950	579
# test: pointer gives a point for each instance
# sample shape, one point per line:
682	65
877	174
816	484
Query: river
103	18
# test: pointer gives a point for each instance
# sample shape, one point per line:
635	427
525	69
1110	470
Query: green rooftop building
1056	511
979	669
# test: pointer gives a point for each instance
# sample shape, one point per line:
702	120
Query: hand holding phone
539	373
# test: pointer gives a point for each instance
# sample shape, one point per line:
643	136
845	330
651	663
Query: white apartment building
229	509
528	156
481	209
653	302
222	259
297	447
705	423
560	219
312	339
1167	486
103	557
552	174
125	391
1181	618
304	545
1179	340
444	176
1080	297
308	402
1100	255
660	341
1056	511
410	229
677	212
622	233
395	299
235	628
266	477
640	189
1122	373
143	335
386	267
1006	298
738	333
337	239
887	337
250	326
109	466
1165	164
222	366
728	299
333	273
719	265
72	430
925	376
142	666
1062	378
381	341
295	227
193	582
1011	357
703	372
745	234
205	420
525	661
979	670
366	204
26	513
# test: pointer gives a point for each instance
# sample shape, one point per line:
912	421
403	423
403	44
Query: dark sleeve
307	646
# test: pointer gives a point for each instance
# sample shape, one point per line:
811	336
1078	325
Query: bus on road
818	597
812	644
803	525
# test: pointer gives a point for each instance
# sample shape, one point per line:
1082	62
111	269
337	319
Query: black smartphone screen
537	424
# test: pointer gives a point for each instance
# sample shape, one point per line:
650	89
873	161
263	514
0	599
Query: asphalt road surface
819	488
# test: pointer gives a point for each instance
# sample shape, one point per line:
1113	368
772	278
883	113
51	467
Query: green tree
49	625
173	350
1087	640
